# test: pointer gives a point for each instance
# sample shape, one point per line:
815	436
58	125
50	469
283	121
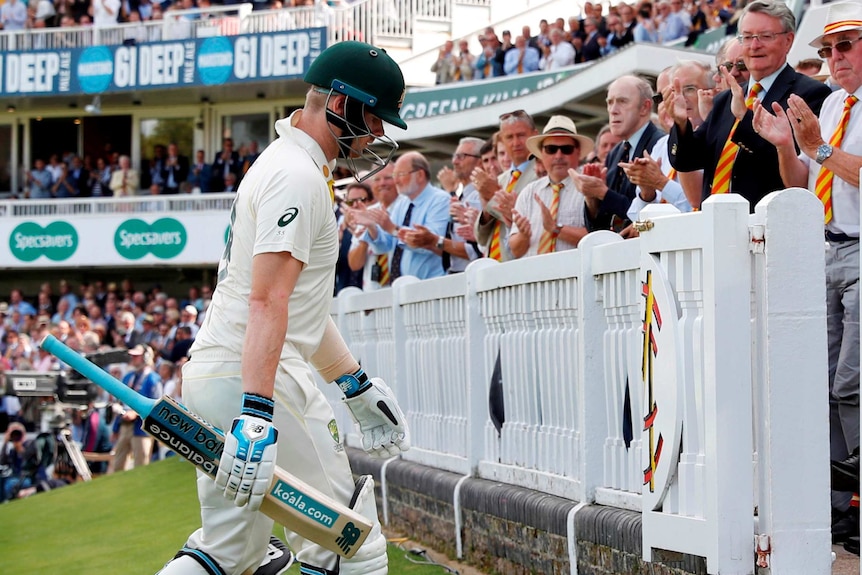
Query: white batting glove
248	460
375	410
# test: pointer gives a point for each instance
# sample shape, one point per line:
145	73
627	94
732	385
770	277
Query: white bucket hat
560	126
840	17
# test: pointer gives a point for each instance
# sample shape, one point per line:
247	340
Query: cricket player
249	372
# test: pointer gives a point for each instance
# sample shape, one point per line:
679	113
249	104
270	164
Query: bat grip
143	405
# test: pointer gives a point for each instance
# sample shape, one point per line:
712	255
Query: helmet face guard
353	126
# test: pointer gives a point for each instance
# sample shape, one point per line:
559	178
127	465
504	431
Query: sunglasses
740	66
355	200
566	149
515	114
842	46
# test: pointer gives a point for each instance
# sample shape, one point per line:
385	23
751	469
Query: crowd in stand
155	328
589	37
167	172
35	14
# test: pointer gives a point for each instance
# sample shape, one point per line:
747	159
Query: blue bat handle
143	405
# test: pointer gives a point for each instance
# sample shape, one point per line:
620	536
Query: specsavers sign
193	62
196	238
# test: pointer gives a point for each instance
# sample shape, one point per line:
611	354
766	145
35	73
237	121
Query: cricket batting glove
248	460
374	409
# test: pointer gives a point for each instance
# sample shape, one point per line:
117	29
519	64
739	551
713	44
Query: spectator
559	54
183	340
128	436
809	66
671	24
63	186
17	303
425	205
201	174
767	33
444	67
40	181
230	182
608	198
645	30
489	163
628	22
521	59
592	49
156	167
13	477
464	63
79	178
655	179
105	12
225	162
605	142
100	179
357	198
498	196
249	158
125	181
458	247
375	267
95	437
175	170
616	35
488	65
126	335
13	15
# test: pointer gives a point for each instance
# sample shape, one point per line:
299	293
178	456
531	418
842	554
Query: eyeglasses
842	46
515	114
355	200
460	156
739	65
689	90
764	37
566	149
401	174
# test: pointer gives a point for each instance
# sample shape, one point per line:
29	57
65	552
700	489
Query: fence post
400	385
477	376
792	398
591	395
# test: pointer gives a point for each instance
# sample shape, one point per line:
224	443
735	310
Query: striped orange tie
487	73
823	184
548	241
721	180
494	249
383	264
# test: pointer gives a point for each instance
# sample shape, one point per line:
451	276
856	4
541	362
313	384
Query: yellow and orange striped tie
487	73
494	248
721	180
548	241
823	184
383	264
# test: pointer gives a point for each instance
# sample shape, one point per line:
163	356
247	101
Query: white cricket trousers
234	537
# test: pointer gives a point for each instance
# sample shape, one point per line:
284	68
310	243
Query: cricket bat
290	501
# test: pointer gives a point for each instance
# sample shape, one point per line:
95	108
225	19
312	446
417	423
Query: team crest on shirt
333	431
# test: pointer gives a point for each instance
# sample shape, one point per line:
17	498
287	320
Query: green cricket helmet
364	72
371	81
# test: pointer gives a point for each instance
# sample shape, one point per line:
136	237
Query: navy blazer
755	171
621	191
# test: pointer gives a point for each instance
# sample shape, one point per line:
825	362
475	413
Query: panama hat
840	17
559	126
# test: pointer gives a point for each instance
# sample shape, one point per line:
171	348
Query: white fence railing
663	374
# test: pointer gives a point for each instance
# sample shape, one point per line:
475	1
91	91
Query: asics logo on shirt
288	217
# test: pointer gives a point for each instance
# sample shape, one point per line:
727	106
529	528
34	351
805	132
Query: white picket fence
736	339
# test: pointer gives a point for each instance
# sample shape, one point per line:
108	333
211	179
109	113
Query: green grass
130	523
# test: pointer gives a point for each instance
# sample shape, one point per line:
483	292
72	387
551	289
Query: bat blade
289	501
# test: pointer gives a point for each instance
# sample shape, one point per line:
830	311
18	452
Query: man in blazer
766	32
225	162
608	198
175	170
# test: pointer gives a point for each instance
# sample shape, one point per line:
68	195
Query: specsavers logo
164	238
57	242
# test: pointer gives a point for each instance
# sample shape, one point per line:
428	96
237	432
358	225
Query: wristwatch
440	240
557	230
823	153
